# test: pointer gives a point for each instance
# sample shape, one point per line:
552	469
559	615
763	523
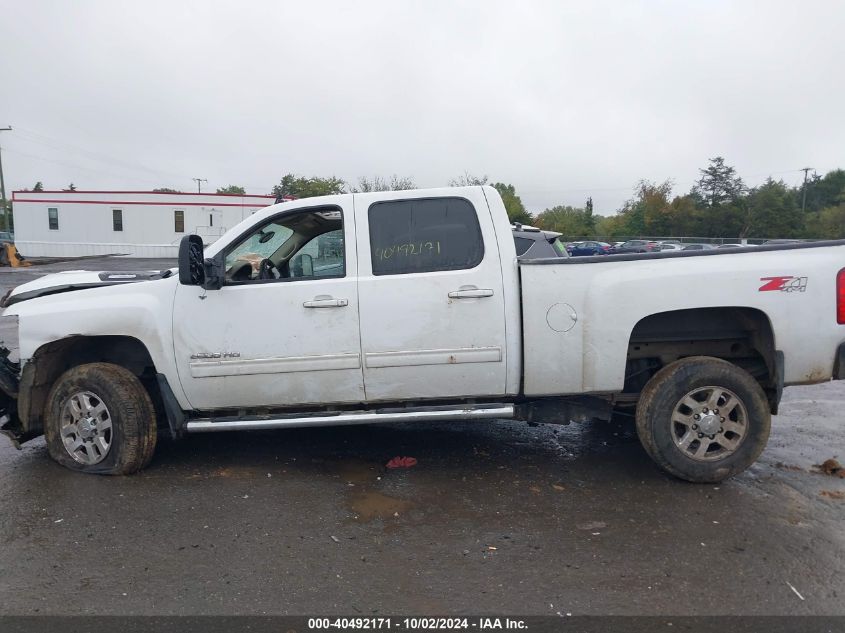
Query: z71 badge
786	283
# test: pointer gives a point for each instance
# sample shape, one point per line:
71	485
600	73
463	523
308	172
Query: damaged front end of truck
10	424
10	371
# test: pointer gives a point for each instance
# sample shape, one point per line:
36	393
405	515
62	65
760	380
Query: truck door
283	329
431	296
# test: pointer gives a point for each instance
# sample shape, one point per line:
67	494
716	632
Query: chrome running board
256	423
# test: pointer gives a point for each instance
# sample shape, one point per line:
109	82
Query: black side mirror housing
191	263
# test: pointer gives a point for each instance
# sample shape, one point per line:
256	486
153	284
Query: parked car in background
636	246
589	247
776	242
670	246
5	236
534	243
733	246
698	247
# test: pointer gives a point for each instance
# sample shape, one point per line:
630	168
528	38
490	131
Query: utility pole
3	183
199	180
804	194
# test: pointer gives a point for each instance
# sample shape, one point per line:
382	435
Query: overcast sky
562	99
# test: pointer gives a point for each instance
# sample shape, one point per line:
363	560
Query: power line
804	188
81	167
199	181
34	137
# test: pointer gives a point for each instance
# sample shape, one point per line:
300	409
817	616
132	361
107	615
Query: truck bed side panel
578	317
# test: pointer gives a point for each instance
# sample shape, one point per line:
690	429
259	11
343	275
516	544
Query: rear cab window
424	235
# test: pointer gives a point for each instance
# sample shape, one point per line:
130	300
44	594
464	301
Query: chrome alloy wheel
709	423
86	428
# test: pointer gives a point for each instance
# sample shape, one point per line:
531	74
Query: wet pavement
496	517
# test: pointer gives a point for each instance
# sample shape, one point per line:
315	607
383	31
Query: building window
117	219
179	221
421	236
53	218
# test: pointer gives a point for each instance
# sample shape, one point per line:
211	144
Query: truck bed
579	314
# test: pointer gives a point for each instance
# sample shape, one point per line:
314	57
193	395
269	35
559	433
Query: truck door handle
325	301
470	292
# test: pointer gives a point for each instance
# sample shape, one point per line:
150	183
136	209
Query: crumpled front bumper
9	423
9	381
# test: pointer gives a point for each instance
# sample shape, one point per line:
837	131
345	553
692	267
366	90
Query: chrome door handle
470	292
325	301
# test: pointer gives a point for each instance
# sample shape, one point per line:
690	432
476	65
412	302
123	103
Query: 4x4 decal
786	283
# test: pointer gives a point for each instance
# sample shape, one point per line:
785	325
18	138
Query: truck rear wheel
100	419
703	419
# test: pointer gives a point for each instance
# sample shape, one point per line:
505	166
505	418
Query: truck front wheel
100	419
703	419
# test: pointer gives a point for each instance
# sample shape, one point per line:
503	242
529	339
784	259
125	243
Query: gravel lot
496	517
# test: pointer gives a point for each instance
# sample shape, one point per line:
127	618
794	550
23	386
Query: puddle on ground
229	472
367	505
358	472
364	503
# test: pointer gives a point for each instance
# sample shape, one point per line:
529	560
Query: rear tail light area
840	297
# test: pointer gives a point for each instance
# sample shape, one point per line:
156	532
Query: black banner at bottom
309	624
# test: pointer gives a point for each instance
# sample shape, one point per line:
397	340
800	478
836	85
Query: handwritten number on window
409	250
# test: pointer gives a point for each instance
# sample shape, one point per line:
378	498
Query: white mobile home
134	223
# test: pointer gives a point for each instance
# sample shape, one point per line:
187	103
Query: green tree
608	227
468	180
165	190
513	204
38	186
719	184
771	210
685	217
70	187
649	211
721	201
570	221
302	187
232	189
377	183
588	215
829	223
823	191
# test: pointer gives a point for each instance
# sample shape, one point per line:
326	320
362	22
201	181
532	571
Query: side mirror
302	266
191	263
307	265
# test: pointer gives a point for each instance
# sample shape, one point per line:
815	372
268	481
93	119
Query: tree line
719	205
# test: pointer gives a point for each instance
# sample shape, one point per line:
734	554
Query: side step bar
478	412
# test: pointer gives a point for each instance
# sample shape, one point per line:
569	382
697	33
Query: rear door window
424	235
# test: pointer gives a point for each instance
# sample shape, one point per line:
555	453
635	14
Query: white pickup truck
412	306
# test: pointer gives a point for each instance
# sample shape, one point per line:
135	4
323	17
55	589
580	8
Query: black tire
129	411
661	435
